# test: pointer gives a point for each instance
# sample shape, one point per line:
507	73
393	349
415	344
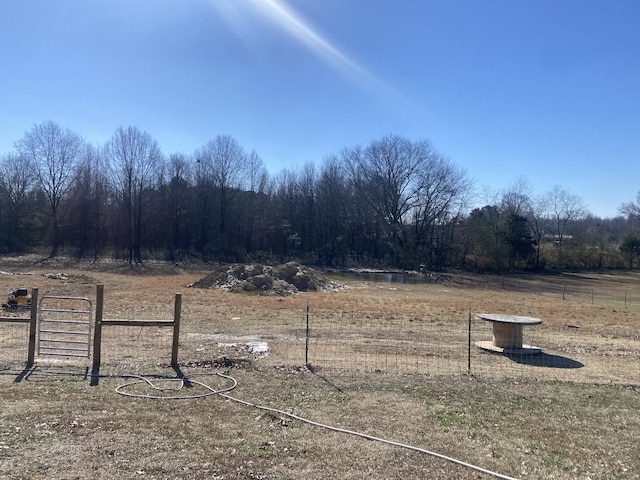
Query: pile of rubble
282	280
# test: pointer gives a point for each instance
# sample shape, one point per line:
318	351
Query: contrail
283	16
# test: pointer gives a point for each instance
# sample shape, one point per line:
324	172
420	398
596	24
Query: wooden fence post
97	332
176	329
33	322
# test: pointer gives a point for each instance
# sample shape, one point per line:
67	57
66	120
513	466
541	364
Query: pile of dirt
286	279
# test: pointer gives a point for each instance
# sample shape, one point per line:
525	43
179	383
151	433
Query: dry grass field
387	360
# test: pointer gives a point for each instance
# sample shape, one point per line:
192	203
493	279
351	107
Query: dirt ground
588	321
521	420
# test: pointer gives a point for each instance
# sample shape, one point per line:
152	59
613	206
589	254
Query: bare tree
257	178
257	175
87	224
444	194
133	158
16	203
537	215
53	154
517	197
335	219
173	206
387	175
563	207
632	211
284	236
308	206
224	161
631	208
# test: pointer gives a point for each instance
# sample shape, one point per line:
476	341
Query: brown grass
514	417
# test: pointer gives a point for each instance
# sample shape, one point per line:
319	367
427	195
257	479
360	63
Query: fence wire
14	343
561	287
355	342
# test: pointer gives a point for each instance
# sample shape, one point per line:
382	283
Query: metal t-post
176	329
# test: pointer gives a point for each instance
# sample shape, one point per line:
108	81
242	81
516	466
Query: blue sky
545	89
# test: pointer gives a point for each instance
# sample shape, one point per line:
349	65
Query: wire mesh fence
577	288
352	342
131	347
383	343
388	343
14	342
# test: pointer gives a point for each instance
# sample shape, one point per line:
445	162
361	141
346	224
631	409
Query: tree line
393	202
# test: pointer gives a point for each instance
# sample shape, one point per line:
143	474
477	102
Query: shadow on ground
546	360
37	371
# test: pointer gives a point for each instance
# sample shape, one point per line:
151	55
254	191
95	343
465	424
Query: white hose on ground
364	435
138	379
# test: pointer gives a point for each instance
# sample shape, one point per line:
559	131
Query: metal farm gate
64	326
